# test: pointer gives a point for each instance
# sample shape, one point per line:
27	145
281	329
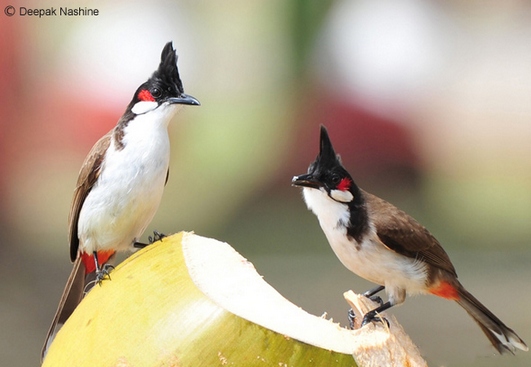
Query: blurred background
428	102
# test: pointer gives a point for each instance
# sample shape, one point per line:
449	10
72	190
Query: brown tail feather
72	295
502	337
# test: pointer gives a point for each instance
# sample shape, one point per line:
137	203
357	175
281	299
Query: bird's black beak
306	180
184	99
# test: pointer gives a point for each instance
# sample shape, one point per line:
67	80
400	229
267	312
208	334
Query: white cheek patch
143	107
341	196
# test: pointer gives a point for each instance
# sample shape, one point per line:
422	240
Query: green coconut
192	301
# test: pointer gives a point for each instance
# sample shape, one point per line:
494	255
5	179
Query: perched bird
120	184
384	245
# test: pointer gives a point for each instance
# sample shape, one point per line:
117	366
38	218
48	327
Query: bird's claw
377	299
103	273
372	317
157	236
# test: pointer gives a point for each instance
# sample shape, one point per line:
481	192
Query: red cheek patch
344	184
145	96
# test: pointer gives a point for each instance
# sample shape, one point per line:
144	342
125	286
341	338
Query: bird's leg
140	244
371	294
102	272
157	236
371	315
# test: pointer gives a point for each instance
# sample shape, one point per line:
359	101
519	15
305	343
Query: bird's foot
376	299
103	273
371	316
157	236
99	277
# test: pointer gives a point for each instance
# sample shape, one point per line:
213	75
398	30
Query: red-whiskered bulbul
384	245
120	184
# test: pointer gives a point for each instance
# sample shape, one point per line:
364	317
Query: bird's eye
335	178
156	93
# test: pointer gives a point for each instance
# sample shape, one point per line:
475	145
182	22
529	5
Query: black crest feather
326	150
327	157
167	71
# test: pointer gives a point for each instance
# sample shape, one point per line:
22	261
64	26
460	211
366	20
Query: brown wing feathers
90	170
404	235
